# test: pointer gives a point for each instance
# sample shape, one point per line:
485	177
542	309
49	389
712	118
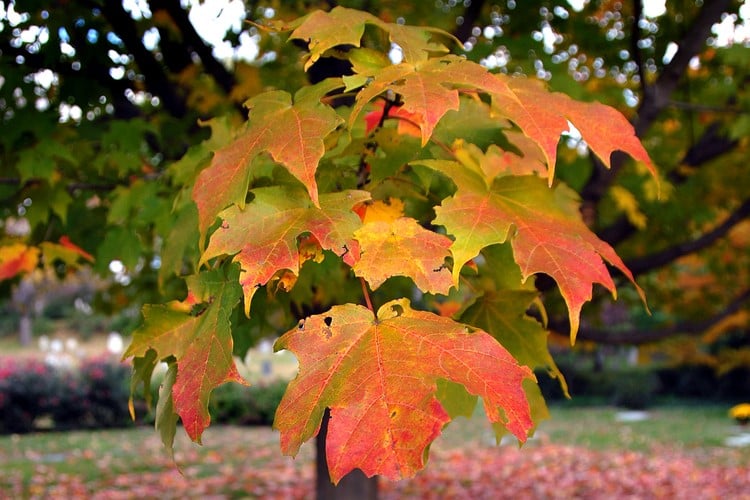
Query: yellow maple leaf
383	211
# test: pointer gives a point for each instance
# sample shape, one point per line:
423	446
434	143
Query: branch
646	263
470	16
692	106
155	77
193	42
638	336
656	98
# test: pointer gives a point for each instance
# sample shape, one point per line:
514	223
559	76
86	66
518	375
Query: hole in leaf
301	324
394	413
399	310
328	320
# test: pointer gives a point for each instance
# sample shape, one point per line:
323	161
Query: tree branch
155	77
646	263
637	336
470	16
193	42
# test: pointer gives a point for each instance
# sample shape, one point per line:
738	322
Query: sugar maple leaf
403	248
201	343
543	116
503	315
378	376
380	211
496	161
429	89
264	236
16	259
406	124
65	251
292	133
423	88
543	225
343	26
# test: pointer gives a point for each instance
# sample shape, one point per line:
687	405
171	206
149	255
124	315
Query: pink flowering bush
93	395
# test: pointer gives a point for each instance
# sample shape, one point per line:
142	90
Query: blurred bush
243	405
36	396
638	387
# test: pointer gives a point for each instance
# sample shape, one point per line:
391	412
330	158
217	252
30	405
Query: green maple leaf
503	315
264	235
378	375
166	416
200	343
292	133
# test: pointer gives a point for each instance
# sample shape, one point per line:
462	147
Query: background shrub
107	388
93	396
26	388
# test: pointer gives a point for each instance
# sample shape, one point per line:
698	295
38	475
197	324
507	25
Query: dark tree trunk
354	485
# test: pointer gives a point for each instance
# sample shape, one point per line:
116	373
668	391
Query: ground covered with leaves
636	460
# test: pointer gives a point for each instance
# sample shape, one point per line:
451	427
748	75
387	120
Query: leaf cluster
435	186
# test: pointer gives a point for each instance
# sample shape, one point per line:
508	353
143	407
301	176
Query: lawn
678	451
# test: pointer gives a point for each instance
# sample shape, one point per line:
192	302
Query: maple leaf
342	26
380	211
422	88
17	258
503	315
403	248
543	226
65	251
201	344
276	218
543	116
292	133
429	89
378	376
405	119
166	416
496	161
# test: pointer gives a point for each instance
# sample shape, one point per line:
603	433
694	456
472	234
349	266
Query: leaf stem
366	293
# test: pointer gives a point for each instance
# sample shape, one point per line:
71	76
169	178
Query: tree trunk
354	485
25	330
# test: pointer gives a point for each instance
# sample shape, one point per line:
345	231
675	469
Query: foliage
352	360
331	187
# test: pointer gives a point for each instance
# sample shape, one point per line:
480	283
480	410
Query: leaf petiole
366	293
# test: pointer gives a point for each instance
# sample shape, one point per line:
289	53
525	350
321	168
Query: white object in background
114	343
